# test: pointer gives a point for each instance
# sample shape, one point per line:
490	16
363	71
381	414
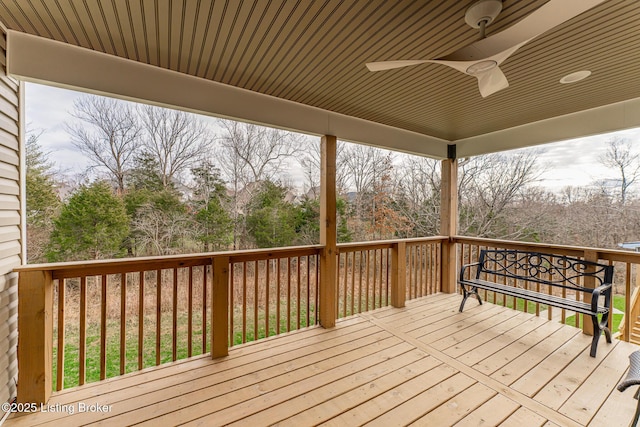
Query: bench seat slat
530	295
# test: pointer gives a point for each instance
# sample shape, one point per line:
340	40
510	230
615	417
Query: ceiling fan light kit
482	59
575	77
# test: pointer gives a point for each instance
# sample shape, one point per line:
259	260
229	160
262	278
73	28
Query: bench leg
466	295
598	328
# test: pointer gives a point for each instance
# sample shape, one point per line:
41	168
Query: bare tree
178	140
249	154
112	137
418	191
492	184
620	156
310	163
253	153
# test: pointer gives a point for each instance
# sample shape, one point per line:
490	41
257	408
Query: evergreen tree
42	200
92	225
271	219
214	229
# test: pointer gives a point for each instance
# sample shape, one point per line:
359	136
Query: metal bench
575	276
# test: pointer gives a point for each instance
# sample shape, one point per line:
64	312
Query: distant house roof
635	246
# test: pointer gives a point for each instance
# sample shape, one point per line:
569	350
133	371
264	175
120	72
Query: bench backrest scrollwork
556	270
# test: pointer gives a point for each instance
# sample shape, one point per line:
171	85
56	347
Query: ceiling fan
482	58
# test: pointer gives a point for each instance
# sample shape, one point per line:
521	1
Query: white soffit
36	59
608	118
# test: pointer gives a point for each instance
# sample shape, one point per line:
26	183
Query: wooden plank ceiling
313	52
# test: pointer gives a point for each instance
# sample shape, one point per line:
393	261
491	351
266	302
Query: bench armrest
602	290
464	269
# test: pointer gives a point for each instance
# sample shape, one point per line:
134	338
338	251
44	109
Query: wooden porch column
328	232
220	307
35	343
449	223
398	274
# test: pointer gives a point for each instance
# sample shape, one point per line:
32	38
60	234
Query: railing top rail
554	249
387	243
126	265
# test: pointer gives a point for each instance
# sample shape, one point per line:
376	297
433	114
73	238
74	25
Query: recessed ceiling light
575	77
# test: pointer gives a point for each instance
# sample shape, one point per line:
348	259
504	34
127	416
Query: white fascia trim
608	118
40	60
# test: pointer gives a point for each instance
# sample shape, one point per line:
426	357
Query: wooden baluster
158	315
204	309
123	322
103	328
232	305
353	281
174	324
62	284
627	303
141	321
82	347
298	294
367	282
344	282
308	288
244	302
288	294
190	312
255	299
266	304
360	268
278	296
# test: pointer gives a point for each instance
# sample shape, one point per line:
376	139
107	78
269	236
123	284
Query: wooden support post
398	274
589	282
328	232
449	223
220	307
35	342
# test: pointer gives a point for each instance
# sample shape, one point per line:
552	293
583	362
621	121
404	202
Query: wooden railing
625	281
371	273
92	320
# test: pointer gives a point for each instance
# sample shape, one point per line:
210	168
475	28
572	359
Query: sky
573	162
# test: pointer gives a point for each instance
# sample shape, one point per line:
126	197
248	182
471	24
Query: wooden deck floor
425	364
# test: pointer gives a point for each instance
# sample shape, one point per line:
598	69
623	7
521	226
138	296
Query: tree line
163	181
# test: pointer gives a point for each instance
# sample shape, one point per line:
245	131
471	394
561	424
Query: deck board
425	364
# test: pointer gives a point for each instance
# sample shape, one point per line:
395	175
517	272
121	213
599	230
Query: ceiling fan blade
546	17
491	82
389	65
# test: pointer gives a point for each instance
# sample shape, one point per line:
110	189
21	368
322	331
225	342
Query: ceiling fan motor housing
482	11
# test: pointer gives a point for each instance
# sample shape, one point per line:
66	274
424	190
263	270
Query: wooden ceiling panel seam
318	88
233	61
208	43
362	84
310	59
233	36
257	53
216	45
9	20
296	76
305	25
163	12
266	44
127	34
187	34
92	20
91	41
44	13
68	32
176	21
250	45
26	20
